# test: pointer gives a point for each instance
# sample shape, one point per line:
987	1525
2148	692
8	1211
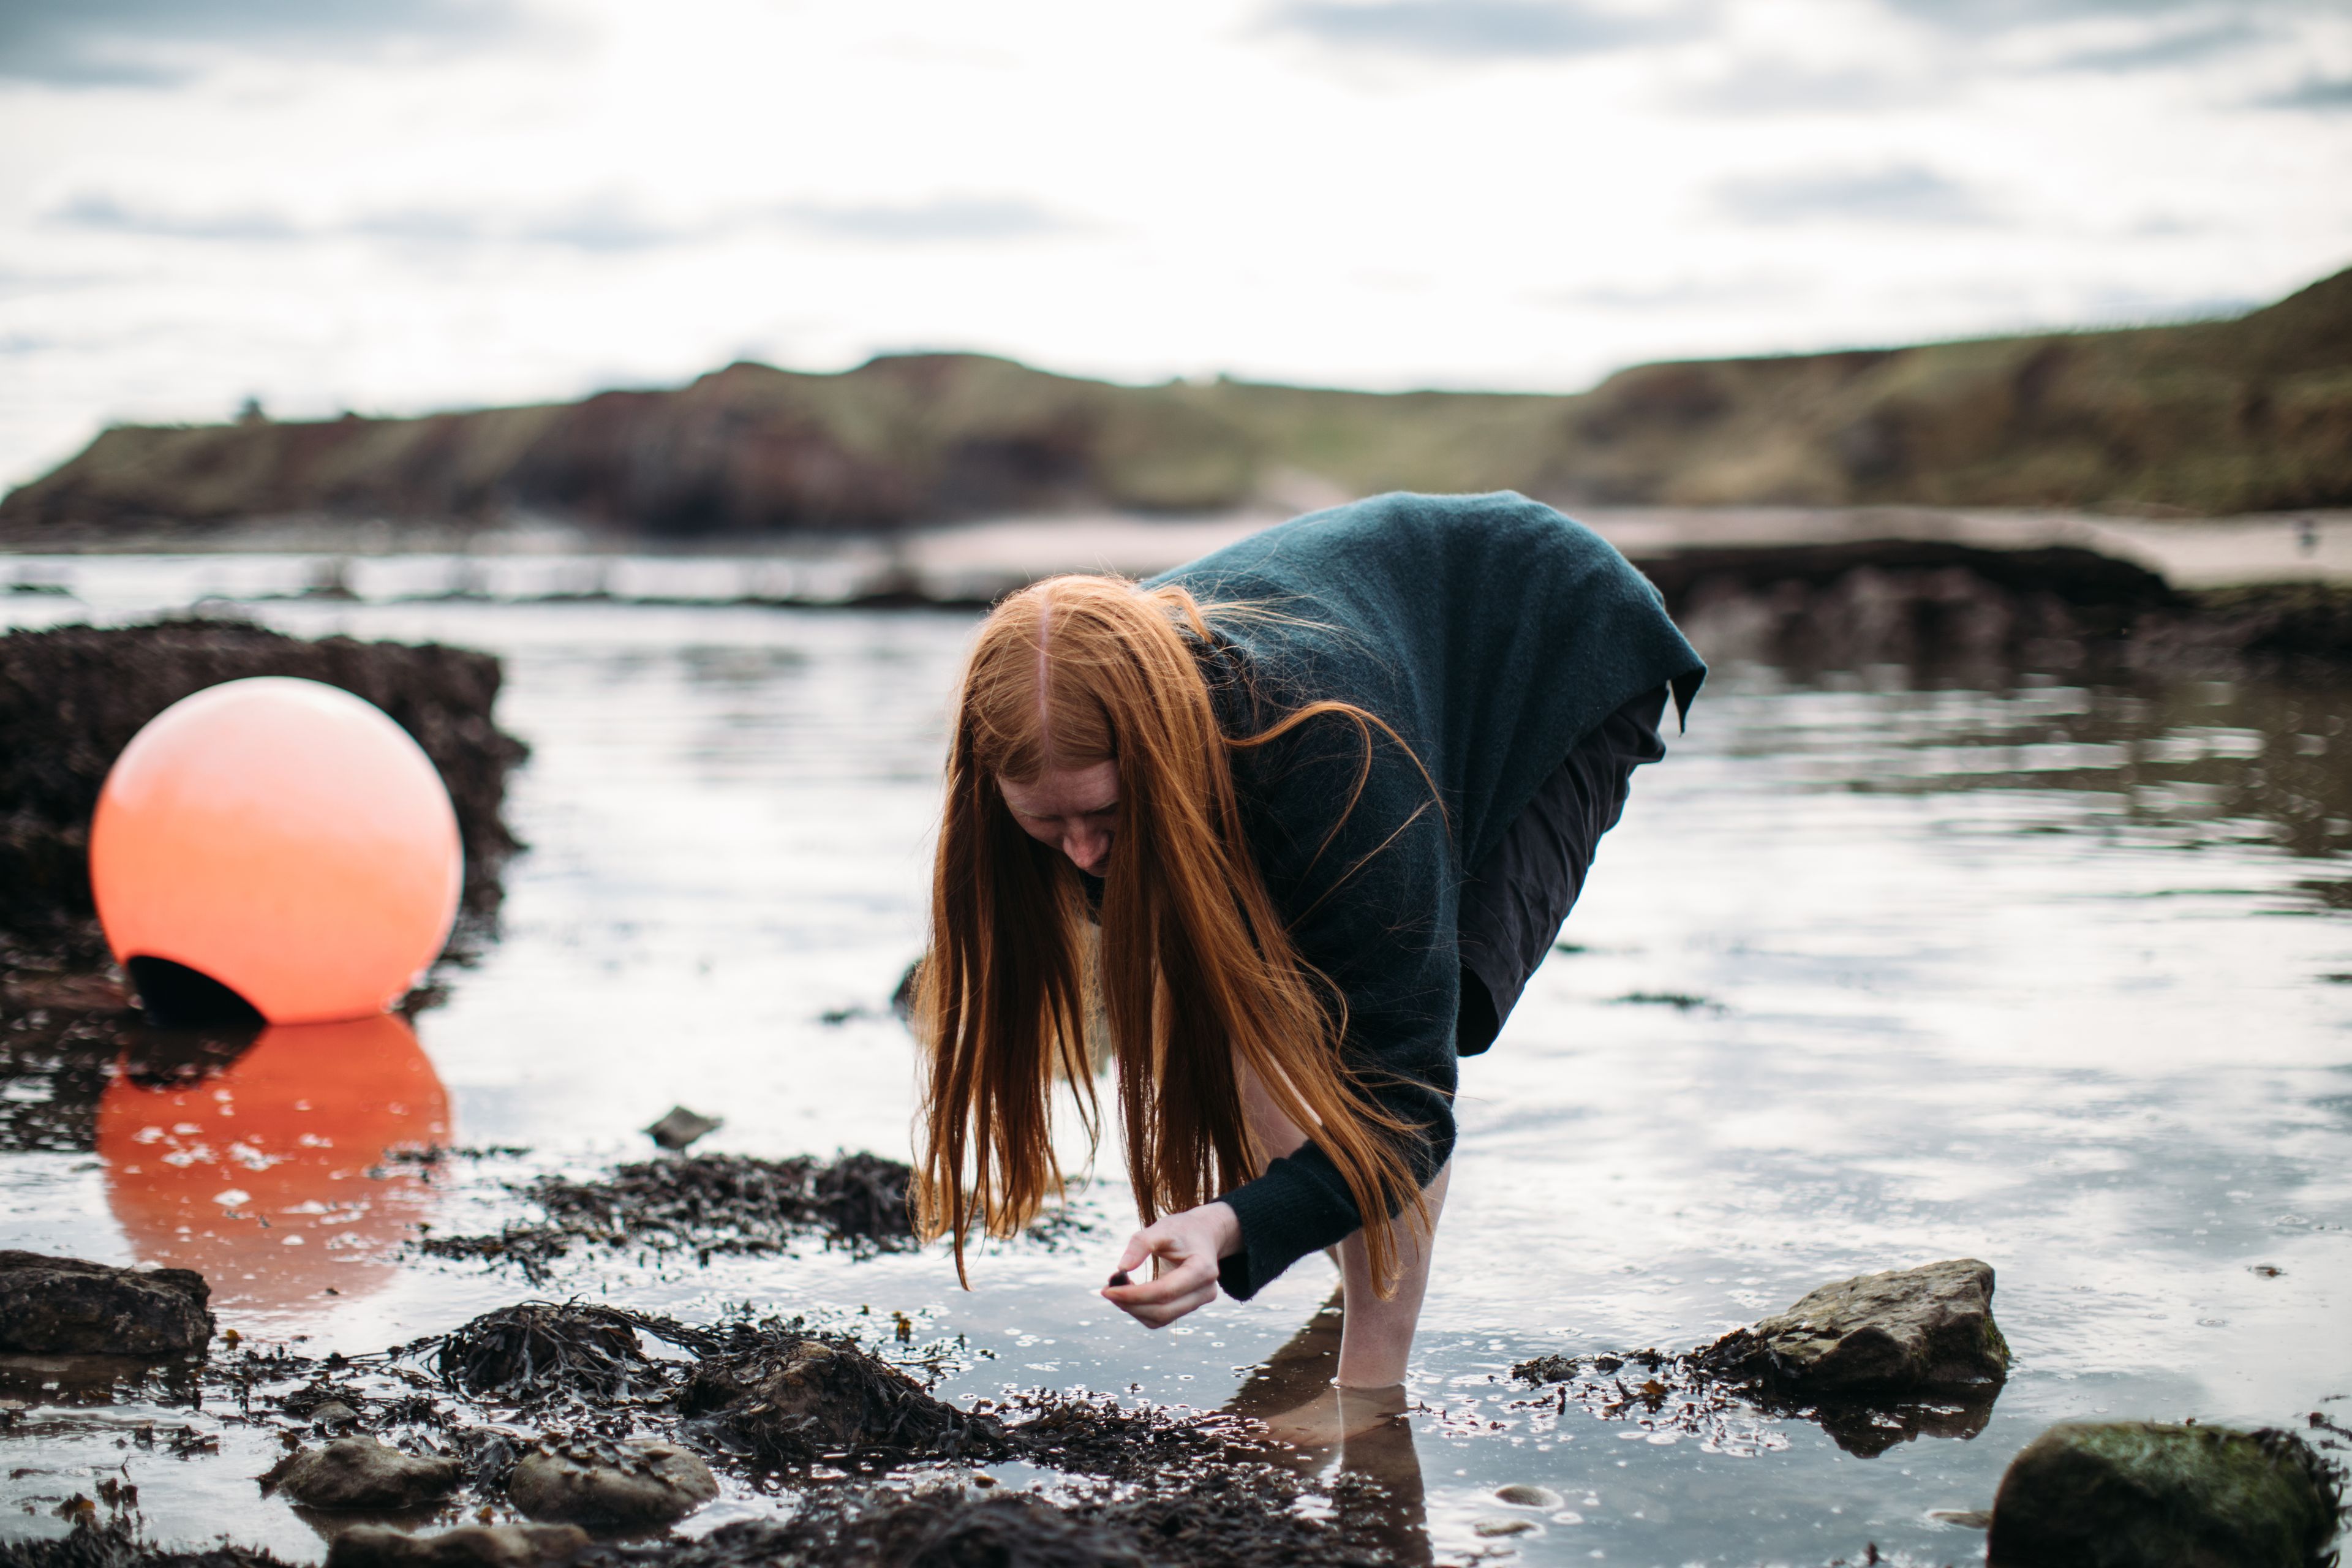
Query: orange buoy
283	839
270	1178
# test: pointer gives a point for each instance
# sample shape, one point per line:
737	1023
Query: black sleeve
1373	911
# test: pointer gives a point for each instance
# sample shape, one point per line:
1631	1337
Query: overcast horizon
398	206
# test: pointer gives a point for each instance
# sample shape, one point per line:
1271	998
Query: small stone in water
1965	1518
682	1127
1497	1526
334	1413
1528	1497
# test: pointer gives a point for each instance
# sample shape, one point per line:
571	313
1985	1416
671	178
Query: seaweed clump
539	1349
117	1544
798	1399
1233	1520
708	1204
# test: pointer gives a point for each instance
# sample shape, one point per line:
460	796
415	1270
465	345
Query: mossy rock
2137	1494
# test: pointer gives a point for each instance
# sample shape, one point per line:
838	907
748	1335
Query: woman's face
1076	810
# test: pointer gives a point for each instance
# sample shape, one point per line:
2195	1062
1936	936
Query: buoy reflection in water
270	1178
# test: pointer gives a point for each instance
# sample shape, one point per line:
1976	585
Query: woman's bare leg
1377	1337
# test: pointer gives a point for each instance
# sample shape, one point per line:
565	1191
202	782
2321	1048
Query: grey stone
361	1473
1907	1330
612	1486
475	1546
682	1127
65	1306
1496	1524
334	1413
2137	1494
1527	1497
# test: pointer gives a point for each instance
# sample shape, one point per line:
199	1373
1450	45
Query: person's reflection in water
269	1177
1366	1429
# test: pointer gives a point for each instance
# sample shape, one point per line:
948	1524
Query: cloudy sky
400	205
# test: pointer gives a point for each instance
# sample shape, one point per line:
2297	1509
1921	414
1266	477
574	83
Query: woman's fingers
1161	1301
1183	1280
1160	1317
1186	1248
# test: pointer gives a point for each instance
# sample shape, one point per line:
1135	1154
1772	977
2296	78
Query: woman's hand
1183	1249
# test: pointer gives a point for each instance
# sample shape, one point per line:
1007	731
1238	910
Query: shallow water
2053	975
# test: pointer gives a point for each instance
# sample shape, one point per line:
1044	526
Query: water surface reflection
292	1172
2046	972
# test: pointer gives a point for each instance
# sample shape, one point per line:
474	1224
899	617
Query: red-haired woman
1329	794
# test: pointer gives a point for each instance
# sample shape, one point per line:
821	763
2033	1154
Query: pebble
612	1486
361	1473
474	1546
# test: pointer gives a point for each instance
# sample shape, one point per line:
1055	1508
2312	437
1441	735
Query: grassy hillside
2222	416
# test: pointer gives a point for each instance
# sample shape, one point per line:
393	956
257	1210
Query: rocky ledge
71	699
66	1306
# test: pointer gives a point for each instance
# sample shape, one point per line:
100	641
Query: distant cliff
2253	413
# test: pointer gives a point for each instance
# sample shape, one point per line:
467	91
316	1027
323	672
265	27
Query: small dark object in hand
1120	1279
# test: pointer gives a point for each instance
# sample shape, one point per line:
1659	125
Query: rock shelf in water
71	699
66	1306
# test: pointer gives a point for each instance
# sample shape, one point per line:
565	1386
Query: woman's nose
1086	847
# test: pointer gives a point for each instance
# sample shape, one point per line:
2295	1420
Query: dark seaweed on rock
71	697
118	1544
709	1205
539	1349
798	1399
1096	1435
1250	1521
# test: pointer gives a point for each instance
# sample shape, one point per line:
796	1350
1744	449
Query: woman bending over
1328	794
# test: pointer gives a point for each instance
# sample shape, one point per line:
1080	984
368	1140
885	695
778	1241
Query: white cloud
436	207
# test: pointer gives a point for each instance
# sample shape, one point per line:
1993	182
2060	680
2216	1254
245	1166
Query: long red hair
1196	975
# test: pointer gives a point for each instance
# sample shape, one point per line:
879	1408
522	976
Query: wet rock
1499	1524
361	1473
1910	1329
612	1486
2137	1494
334	1413
475	1546
681	1127
539	1348
797	1400
1528	1497
65	1306
72	697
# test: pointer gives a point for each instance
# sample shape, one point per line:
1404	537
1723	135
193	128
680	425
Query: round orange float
270	1178
283	839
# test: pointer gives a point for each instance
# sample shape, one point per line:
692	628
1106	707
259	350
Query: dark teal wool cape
1492	633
